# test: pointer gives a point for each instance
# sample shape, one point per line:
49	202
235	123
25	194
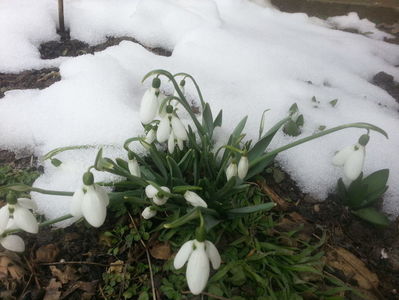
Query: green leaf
122	163
174	168
158	161
334	102
264	142
300	121
377	180
260	166
372	216
218	120
291	128
193	214
183	188
294	108
207	119
252	208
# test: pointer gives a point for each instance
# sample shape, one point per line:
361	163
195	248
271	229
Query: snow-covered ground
246	58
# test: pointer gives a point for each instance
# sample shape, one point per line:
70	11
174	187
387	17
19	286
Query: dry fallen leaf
47	253
341	259
69	274
52	290
9	268
281	203
161	251
116	267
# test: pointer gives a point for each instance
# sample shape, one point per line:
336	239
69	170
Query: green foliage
293	126
10	175
363	193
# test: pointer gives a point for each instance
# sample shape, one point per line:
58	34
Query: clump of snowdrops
182	181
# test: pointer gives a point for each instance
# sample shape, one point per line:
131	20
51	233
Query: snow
364	26
246	58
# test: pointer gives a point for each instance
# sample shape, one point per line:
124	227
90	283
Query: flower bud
194	199
148	213
231	171
243	167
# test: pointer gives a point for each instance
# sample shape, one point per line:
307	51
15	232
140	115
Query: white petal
148	213
13	243
171	143
183	254
75	207
163	131
27	203
4	217
340	158
25	220
354	164
134	167
197	272
213	254
150	191
93	208
150	137
102	193
194	199
178	129
347	182
160	200
161	97
231	171
149	106
165	188
180	144
243	167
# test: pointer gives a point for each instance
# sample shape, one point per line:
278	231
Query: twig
33	272
154	297
26	286
77	263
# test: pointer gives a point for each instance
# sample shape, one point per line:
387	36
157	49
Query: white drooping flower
134	167
194	199
148	213
154	194
149	103
171	129
90	202
351	158
243	166
20	215
231	171
13	243
198	254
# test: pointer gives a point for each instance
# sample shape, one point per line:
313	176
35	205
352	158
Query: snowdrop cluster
241	170
158	198
197	254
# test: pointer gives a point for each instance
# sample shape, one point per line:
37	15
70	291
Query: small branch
154	297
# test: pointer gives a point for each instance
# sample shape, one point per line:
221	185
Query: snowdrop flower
243	167
148	213
134	167
171	124
231	171
194	199
351	158
18	212
198	254
155	195
90	202
150	136
171	143
13	243
149	104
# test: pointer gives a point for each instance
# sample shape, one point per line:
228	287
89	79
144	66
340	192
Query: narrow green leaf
371	215
193	214
218	120
174	168
252	208
207	119
260	166
158	161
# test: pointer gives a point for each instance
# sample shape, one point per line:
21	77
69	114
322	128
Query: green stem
62	149
317	135
49	192
196	86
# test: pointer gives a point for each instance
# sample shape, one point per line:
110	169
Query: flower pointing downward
351	158
157	197
13	243
194	199
90	201
149	103
198	254
17	211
